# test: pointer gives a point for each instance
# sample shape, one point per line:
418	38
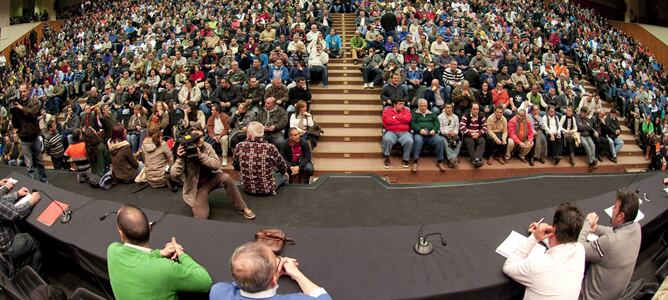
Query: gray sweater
612	258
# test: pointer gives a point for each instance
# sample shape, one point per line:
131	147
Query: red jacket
512	130
397	121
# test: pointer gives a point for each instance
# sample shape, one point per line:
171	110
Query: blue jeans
281	180
404	138
32	156
588	144
133	139
323	72
437	142
615	145
205	109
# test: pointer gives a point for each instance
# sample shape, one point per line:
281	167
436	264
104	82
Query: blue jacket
333	42
285	74
230	291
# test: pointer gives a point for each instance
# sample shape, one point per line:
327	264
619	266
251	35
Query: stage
354	233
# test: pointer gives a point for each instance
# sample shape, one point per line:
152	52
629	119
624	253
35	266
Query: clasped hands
541	231
172	250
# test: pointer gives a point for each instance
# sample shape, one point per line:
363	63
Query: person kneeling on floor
200	172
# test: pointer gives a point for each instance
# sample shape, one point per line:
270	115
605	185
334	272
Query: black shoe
386	163
541	160
477	163
405	163
531	162
613	159
599	158
557	160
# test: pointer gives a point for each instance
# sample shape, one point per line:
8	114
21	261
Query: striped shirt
452	77
53	145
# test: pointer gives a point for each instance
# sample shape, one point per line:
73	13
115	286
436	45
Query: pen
541	220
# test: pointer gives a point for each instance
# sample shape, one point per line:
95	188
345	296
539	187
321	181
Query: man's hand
592	217
168	251
432	132
543	231
423	132
178	249
9	185
19	106
295	170
35	198
181	151
290	267
23	191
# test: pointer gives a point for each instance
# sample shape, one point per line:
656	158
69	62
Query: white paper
23	200
639	217
12	180
513	241
665	190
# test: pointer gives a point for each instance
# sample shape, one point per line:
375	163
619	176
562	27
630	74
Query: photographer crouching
199	167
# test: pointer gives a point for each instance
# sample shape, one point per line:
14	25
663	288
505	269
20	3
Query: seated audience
497	142
520	132
218	129
297	154
274	119
157	157
473	127
449	123
396	122
425	127
124	165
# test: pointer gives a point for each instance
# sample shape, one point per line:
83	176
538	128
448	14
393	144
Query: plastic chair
84	294
22	284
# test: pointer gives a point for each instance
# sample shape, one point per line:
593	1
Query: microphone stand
66	216
423	246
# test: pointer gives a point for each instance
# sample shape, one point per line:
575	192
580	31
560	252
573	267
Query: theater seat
84	294
638	290
20	285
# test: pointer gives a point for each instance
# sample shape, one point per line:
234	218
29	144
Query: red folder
52	213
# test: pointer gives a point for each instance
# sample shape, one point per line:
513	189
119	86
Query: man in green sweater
425	126
137	272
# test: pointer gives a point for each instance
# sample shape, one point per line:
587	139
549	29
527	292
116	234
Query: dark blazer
286	152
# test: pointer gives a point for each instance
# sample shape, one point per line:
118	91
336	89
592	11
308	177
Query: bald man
256	270
139	272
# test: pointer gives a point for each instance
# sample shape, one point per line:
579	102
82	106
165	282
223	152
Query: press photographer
199	168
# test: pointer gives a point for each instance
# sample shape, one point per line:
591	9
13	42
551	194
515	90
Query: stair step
428	164
348	80
349	121
348	150
349	109
351	135
345	89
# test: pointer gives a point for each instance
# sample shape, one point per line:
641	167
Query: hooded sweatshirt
155	160
123	164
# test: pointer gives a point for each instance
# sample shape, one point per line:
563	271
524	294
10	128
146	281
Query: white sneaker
371	85
366	85
224	161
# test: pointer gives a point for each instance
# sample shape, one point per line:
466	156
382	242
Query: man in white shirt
557	273
316	63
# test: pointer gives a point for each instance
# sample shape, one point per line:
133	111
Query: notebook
52	213
639	217
513	241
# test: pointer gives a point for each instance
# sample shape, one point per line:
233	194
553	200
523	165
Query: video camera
188	140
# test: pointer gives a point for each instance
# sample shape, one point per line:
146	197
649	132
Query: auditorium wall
639	33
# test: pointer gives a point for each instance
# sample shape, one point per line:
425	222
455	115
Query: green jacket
358	43
428	121
135	274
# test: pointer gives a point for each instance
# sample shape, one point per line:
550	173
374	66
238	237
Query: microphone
107	214
423	246
66	216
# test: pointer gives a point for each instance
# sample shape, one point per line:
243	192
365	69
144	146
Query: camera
188	140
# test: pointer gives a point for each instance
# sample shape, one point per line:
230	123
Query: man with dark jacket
299	92
24	117
613	131
587	133
393	91
229	94
275	119
297	155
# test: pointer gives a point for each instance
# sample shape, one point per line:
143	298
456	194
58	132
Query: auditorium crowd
110	94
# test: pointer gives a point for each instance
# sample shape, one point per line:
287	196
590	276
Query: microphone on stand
423	246
107	214
66	215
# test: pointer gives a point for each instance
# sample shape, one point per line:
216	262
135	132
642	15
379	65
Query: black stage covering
361	256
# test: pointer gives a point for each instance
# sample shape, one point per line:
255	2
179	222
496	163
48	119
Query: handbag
274	239
314	130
